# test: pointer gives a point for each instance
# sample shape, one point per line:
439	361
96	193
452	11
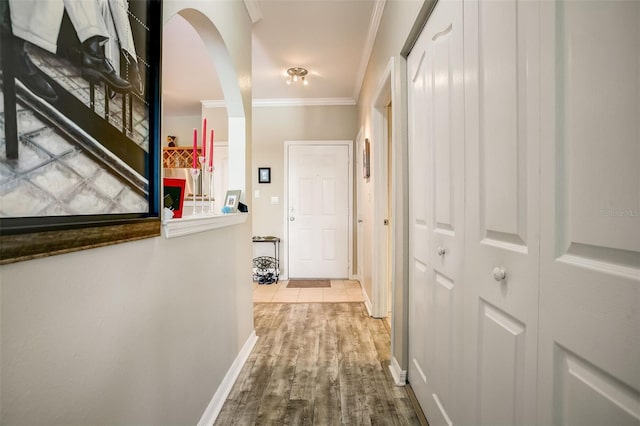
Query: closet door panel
501	252
502	362
503	174
419	221
436	141
590	247
443	86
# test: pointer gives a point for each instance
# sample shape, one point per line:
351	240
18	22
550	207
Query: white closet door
502	116
590	242
436	143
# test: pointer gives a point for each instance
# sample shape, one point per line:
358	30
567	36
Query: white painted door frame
379	173
358	274
285	214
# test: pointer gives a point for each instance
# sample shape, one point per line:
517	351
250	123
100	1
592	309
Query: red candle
211	150
204	138
195	148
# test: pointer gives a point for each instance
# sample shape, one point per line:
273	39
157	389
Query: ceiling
332	39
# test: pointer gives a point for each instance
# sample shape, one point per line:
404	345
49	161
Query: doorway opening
383	207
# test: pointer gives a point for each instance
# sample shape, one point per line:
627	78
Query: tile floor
340	291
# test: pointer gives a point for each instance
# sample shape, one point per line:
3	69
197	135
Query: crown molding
374	24
253	8
275	102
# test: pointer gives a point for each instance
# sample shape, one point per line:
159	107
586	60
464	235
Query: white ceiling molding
254	10
374	24
213	104
303	102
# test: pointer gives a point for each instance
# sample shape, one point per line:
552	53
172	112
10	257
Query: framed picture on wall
366	159
80	161
264	174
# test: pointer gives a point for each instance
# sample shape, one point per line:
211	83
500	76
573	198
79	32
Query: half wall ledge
193	224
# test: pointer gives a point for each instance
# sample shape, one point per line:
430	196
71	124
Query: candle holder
203	161
211	169
195	173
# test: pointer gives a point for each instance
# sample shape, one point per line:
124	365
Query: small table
276	249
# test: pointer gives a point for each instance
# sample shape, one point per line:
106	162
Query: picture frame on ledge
232	199
174	190
91	144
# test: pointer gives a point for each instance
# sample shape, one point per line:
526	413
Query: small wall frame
264	174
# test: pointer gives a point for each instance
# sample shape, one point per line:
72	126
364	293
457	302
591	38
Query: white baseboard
399	375
214	407
367	301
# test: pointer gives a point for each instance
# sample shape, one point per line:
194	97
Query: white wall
217	119
180	126
271	127
397	20
125	334
131	333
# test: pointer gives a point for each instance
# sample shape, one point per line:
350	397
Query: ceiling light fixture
297	74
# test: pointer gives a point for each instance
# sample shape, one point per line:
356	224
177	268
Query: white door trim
285	203
379	126
358	274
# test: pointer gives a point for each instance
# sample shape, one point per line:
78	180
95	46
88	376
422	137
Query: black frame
23	238
264	179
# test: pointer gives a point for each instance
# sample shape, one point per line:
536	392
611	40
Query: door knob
499	274
441	251
360	220
291	219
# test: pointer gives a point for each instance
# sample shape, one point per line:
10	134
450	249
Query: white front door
318	206
589	357
436	209
502	244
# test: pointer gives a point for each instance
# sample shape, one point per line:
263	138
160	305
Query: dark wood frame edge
35	245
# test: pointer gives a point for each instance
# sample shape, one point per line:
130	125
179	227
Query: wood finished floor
340	291
317	364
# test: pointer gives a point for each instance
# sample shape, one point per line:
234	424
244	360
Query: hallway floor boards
340	291
317	364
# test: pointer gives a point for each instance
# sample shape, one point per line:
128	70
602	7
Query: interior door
502	248
590	246
318	211
436	185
